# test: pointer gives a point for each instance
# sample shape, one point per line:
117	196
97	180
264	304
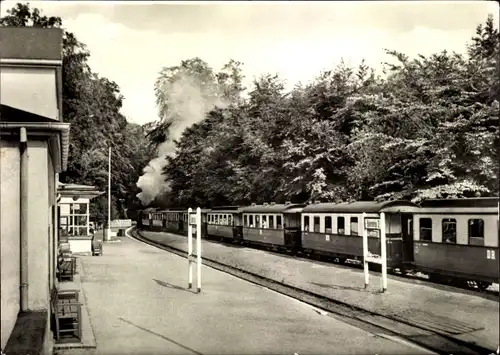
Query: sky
130	42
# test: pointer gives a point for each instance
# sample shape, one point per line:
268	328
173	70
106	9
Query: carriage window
250	218
450	230
426	229
224	219
245	220
230	220
278	222
328	224
271	222
476	231
216	219
340	225
257	221
264	221
306	223
316	224
354	225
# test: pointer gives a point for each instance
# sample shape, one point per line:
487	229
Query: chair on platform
66	264
66	312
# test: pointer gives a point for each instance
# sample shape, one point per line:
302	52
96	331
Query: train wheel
481	285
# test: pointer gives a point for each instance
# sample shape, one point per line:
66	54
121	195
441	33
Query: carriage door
407	234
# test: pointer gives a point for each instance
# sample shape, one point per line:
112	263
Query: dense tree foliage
92	105
427	128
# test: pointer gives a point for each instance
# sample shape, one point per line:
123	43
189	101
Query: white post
383	251
108	231
88	218
198	246
365	250
190	248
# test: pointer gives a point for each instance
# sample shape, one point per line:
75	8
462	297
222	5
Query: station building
34	146
74	215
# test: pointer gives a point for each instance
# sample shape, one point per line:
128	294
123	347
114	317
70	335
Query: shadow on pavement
161	336
338	287
166	284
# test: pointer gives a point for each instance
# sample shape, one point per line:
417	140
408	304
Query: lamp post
108	231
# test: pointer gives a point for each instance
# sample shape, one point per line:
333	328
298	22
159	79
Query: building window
306	223
354	225
73	220
426	229
476	231
328	224
340	225
271	222
278	222
316	224
449	230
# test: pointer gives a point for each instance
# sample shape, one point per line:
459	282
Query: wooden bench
66	268
67	313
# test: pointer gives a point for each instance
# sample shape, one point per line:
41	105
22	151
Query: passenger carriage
457	238
336	230
172	220
224	223
185	222
147	217
157	220
265	224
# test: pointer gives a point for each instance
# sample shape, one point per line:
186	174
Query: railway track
470	286
432	339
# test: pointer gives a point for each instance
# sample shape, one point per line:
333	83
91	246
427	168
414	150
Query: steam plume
188	100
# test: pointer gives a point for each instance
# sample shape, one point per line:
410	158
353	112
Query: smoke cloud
188	101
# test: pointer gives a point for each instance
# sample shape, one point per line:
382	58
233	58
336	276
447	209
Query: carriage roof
270	208
475	202
360	207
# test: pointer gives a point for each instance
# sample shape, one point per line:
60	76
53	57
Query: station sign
121	223
192	218
372	223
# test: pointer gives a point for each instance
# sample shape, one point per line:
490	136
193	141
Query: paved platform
88	339
464	314
138	304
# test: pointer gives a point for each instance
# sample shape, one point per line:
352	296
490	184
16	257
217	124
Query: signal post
194	219
374	227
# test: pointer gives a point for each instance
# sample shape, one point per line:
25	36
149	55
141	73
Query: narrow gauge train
451	240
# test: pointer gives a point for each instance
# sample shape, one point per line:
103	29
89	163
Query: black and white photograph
249	177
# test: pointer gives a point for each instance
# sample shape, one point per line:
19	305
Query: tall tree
92	105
